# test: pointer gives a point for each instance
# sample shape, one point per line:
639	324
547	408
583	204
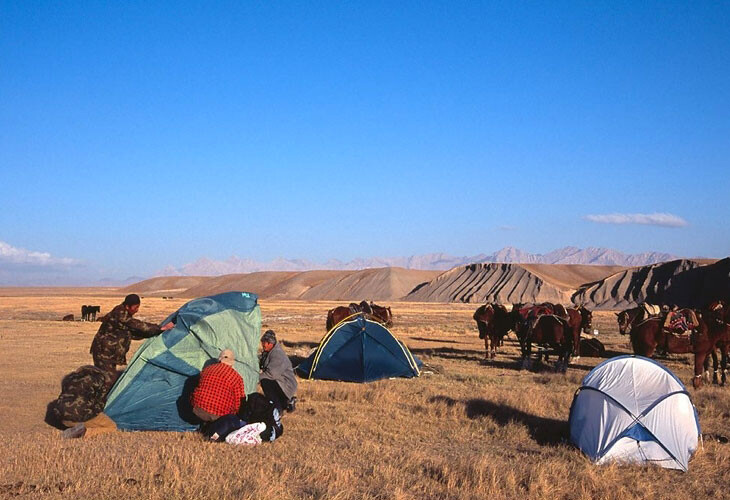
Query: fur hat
227	356
269	336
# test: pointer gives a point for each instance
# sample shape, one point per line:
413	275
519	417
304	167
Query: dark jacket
275	365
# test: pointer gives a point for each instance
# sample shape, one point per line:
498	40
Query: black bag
258	408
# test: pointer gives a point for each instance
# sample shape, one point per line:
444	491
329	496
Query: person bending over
219	391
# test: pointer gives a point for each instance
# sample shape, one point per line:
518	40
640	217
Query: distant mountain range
434	261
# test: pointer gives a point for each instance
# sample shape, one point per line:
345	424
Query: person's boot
77	431
292	404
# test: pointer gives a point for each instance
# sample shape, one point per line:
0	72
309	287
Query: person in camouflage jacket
118	327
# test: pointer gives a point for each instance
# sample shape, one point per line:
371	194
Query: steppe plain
463	429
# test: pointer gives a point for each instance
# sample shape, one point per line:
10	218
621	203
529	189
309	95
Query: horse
373	311
493	322
548	330
647	335
628	317
719	314
579	319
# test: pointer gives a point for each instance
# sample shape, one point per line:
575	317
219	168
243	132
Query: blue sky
136	135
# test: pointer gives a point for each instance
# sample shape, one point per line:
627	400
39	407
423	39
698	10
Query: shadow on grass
442	341
545	431
450	353
308	345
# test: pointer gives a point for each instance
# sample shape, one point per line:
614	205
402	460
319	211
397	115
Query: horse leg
714	366
699	363
724	353
493	350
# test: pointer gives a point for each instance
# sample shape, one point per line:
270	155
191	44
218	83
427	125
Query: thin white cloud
11	256
655	219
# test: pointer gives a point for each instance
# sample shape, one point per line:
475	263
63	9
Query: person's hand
168	326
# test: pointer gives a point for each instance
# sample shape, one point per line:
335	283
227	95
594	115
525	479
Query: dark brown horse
649	334
718	313
628	318
373	311
551	331
580	320
493	322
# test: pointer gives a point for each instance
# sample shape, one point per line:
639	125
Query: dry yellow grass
466	431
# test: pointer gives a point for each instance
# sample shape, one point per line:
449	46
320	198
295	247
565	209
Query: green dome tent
360	350
153	392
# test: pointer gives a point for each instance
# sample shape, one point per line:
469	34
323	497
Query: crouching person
79	407
277	375
219	391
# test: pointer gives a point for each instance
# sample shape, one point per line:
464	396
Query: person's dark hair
131	300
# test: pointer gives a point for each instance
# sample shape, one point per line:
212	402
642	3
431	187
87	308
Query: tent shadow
543	430
184	408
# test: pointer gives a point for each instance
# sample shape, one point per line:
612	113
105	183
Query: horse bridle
629	320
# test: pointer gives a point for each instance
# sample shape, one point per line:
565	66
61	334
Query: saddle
681	322
651	309
363	306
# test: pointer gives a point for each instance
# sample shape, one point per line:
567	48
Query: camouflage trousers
83	395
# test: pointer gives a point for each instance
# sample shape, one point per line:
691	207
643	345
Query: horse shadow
295	345
543	430
442	341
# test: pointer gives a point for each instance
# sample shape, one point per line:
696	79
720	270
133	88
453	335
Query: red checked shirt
219	391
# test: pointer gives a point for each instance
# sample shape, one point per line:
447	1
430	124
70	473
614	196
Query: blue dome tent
152	393
359	350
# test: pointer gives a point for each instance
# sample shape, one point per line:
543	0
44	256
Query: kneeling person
219	391
277	375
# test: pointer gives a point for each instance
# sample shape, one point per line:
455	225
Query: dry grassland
467	430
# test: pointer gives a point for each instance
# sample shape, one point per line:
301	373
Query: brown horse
719	314
579	319
493	322
647	335
551	331
628	318
373	311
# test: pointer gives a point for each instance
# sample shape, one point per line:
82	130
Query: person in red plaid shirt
220	389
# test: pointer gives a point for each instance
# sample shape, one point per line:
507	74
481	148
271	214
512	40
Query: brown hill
372	284
571	275
164	285
686	283
504	283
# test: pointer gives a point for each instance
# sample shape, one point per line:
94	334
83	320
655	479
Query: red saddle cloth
681	321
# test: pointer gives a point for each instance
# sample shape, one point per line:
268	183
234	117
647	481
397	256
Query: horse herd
700	332
545	324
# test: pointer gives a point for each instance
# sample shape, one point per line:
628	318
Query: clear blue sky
134	135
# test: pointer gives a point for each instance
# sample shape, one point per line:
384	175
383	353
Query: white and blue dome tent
631	409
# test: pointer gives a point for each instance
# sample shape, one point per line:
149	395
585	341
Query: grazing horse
552	331
373	311
493	322
579	319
